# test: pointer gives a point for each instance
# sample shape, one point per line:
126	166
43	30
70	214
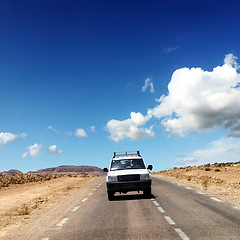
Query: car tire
110	196
147	192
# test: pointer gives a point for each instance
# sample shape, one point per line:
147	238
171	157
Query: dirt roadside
26	209
219	179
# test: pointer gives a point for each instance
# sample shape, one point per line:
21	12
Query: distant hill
70	169
12	172
61	169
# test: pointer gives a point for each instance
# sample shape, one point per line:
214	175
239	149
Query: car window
124	164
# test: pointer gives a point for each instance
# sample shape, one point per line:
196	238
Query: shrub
6	179
217	170
189	178
207	169
24	210
205	183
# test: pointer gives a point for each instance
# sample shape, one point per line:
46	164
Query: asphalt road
172	212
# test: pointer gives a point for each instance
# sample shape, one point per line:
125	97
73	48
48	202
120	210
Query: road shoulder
44	217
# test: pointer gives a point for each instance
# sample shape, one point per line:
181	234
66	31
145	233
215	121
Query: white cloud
170	49
148	83
231	60
129	128
52	129
25	155
80	133
93	129
53	149
6	137
23	135
33	151
222	150
199	99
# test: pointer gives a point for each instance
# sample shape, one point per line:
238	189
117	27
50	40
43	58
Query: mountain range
61	169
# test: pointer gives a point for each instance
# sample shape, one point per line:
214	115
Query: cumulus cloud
93	129
199	99
234	125
52	129
80	133
148	84
231	60
129	128
33	151
6	137
222	150
53	149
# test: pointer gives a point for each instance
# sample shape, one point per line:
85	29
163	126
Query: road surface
173	211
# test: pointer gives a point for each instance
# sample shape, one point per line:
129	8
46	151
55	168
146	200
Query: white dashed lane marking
161	210
64	220
169	220
216	199
156	203
181	234
76	208
238	208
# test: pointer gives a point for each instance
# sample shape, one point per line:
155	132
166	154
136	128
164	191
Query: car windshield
124	164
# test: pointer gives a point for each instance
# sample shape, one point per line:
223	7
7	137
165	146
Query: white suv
128	172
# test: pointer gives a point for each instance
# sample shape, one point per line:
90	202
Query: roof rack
128	153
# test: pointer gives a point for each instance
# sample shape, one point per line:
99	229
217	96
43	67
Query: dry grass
20	201
222	179
7	180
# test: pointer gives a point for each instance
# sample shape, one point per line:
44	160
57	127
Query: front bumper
129	186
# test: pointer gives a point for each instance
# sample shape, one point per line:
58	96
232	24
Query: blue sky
82	79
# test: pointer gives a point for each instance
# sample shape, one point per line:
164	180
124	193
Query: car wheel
110	196
147	192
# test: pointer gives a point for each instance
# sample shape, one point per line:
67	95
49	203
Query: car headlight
112	178
145	176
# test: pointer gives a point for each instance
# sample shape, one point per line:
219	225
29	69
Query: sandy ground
222	180
21	203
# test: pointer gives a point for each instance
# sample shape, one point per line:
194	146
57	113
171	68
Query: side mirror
105	170
150	167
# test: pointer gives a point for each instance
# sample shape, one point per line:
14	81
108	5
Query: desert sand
220	179
21	203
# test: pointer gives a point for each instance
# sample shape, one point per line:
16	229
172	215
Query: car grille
135	177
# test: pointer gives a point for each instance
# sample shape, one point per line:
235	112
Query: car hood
127	172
